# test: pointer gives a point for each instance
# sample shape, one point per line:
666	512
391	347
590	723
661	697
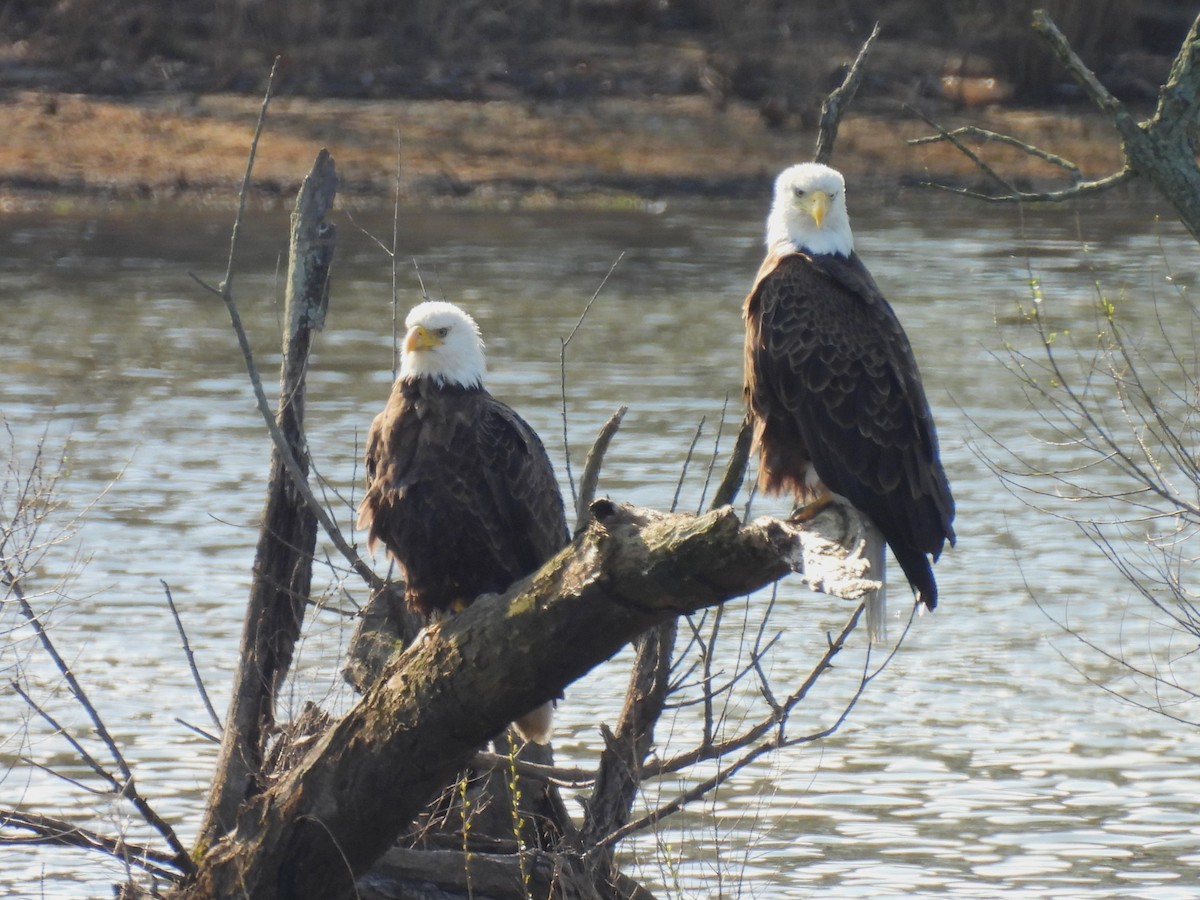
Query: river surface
988	759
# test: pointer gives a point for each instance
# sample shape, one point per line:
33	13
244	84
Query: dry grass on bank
63	148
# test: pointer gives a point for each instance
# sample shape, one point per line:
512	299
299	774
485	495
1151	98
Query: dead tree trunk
311	834
283	559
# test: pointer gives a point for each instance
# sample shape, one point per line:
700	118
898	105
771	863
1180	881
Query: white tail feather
536	726
875	552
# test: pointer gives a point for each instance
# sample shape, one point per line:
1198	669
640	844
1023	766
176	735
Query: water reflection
978	765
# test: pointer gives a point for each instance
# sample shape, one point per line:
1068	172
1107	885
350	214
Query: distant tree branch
1161	149
834	105
1009	192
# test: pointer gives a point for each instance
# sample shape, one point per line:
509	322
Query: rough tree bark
282	572
1163	148
311	834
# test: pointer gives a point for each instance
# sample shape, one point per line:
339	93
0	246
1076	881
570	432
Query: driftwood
283	559
325	823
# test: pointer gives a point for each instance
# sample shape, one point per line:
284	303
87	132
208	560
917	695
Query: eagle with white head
834	391
459	488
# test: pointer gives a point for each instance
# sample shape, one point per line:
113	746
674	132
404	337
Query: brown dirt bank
60	149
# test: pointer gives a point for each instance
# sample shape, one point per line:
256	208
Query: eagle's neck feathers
439	381
423	385
822	243
458	364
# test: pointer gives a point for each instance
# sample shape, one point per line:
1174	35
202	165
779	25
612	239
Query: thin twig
779	742
48	830
299	480
226	286
717	750
687	459
395	266
191	657
716	455
207	735
125	785
82	752
562	367
1010	192
986	135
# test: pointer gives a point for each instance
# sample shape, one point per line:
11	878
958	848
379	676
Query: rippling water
979	763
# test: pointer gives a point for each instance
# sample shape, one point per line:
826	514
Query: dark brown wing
531	524
831	378
461	492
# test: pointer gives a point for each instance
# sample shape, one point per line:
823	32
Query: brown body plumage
460	491
459	488
832	385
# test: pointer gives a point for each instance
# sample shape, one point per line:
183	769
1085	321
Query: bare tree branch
282	447
580	509
296	839
834	106
1009	193
590	478
48	830
1160	149
123	786
191	658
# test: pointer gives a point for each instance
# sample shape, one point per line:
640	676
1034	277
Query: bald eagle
833	389
459	488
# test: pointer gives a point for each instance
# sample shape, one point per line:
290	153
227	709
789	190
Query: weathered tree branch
1161	149
834	106
283	560
326	821
589	480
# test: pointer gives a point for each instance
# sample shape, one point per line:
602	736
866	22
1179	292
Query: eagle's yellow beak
418	338
818	206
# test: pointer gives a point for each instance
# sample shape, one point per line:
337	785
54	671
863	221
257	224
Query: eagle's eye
442	332
799	192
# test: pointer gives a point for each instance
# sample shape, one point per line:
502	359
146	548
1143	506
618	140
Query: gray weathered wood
282	571
322	825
